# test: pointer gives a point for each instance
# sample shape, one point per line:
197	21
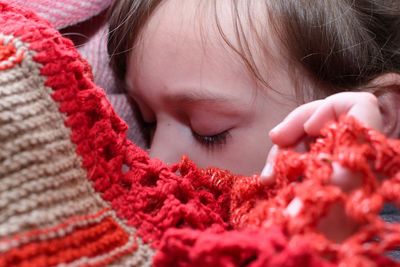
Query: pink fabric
65	12
94	50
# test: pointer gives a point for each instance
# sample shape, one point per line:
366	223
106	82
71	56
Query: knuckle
358	97
369	98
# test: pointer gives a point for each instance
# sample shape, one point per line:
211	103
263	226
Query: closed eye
212	141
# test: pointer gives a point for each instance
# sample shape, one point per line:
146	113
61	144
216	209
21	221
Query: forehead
193	24
239	27
196	40
207	19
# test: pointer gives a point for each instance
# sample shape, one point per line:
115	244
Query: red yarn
9	55
195	217
90	240
253	248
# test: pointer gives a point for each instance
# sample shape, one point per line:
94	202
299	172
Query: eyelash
209	141
212	141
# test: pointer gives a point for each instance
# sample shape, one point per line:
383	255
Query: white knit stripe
23	112
28	141
47	216
36	201
13	101
47	170
9	130
15	81
38	185
51	151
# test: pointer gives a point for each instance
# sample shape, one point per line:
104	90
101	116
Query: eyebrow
198	96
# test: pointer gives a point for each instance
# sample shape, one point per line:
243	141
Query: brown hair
126	19
343	44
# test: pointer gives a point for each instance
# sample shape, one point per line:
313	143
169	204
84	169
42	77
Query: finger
362	106
294	208
303	145
368	113
267	174
345	178
291	129
336	225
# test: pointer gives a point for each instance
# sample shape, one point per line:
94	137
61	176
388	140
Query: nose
167	143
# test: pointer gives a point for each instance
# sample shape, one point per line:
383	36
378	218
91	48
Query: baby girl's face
202	99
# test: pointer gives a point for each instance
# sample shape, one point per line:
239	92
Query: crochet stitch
75	191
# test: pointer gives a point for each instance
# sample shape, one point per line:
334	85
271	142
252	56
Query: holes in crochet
93	117
153	205
180	223
109	152
125	168
78	74
394	255
125	183
390	213
204	199
250	259
182	196
299	179
149	179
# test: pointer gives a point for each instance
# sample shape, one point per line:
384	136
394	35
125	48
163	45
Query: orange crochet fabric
75	191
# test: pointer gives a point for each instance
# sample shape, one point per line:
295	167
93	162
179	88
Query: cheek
245	152
171	141
251	150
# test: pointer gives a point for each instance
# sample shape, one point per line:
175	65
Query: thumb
267	174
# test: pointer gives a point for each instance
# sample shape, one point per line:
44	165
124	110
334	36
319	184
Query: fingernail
267	171
272	154
294	207
276	128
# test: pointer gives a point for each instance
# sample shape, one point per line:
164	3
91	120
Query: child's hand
307	121
310	118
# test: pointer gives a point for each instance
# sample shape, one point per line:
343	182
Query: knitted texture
49	213
75	191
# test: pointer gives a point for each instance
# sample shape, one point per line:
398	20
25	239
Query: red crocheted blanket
75	191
